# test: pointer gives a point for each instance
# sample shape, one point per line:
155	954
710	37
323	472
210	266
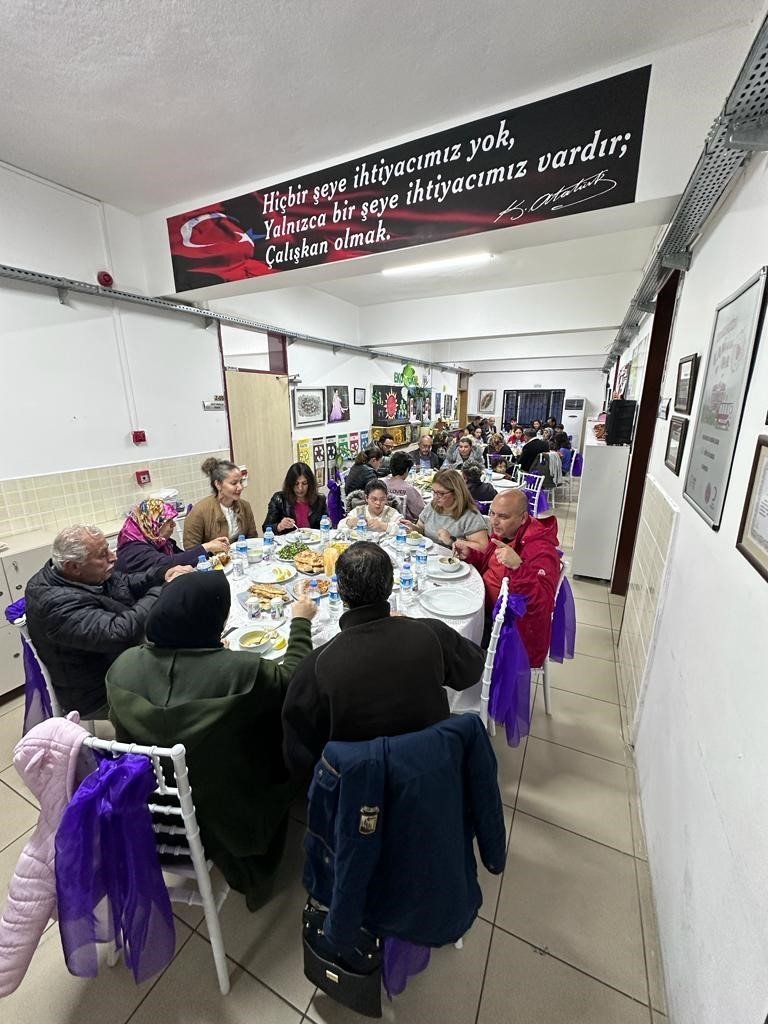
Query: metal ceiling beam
713	177
64	285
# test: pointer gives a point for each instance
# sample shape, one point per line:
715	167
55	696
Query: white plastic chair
55	706
475	699
543	670
531	484
190	884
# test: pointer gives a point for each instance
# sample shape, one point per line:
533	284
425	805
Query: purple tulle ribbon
17	610
578	463
335	502
483	507
109	884
510	697
400	960
37	702
543	503
563	641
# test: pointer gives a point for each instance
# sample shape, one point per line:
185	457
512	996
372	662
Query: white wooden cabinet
15	571
19	568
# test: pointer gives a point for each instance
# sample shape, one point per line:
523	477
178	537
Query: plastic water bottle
203	565
268	545
325	531
314	592
362	528
240	561
411	473
401	542
488	475
406	585
334	600
421	565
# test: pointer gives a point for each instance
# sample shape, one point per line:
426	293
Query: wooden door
260	428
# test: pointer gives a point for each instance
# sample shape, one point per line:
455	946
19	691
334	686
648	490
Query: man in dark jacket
382	675
81	614
532	449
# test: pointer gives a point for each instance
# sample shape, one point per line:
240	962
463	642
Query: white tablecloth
324	627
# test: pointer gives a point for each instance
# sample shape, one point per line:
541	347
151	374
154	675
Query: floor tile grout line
573	832
27	832
547	952
599	757
578	693
643	938
157	980
261	981
23	797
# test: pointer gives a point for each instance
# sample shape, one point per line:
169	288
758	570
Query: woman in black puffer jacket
297	505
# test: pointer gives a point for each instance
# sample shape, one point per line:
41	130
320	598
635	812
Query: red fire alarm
105	279
139	437
143	477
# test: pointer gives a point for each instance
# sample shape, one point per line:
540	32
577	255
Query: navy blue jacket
389	841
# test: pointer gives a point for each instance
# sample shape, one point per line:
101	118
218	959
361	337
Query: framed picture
448	407
752	540
738	322
308	406
486	402
338	402
663	410
359	395
687	370
678	428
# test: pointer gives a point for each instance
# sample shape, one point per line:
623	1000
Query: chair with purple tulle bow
40	701
186	883
537	499
563	640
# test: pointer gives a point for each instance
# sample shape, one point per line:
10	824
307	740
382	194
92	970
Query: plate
243	596
421	540
266	573
255	648
497	476
436	573
266	650
298	588
226	569
456	602
310	537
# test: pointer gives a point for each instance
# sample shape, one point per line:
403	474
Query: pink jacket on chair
47	760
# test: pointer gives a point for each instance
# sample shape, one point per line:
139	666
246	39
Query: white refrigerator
598	516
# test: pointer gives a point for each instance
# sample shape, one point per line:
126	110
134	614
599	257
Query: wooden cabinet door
20	568
11	663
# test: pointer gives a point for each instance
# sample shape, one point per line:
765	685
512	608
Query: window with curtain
536	404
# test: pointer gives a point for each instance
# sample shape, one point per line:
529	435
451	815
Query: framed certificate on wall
738	323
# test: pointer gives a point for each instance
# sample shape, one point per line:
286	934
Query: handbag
354	979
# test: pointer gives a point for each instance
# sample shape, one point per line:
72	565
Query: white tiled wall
655	538
95	495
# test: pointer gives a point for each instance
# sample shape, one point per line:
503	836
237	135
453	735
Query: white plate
310	537
266	573
435	572
226	569
497	476
267	650
421	540
458	602
301	587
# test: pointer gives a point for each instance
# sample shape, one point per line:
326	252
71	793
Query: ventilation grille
710	182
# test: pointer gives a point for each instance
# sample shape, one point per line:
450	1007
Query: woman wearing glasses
452	514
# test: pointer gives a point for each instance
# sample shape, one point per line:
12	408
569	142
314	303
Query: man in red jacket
525	550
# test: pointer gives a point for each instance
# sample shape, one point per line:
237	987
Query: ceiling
147	105
157	106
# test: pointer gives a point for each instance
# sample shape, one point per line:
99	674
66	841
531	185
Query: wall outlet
139	437
143	477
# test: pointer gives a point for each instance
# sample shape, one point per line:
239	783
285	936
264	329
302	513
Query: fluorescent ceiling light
437	266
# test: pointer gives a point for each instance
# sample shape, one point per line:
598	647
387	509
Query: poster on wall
560	155
337	403
437	402
304	450
389	405
738	322
448	407
354	444
365	439
342	448
318	460
331	451
308	407
752	540
486	403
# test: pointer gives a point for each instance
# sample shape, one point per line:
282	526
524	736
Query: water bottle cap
202	558
334	578
241	537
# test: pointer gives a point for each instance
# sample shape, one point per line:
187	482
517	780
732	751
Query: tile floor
566	936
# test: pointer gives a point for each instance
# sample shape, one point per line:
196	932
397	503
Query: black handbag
353	978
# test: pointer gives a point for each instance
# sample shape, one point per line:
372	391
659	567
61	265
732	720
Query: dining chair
531	483
189	879
542	671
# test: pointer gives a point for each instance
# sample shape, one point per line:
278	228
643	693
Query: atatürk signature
582	191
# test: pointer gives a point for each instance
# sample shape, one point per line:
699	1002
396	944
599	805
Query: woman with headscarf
144	542
184	686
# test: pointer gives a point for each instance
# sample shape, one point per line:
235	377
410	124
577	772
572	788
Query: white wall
79	376
577	384
701	745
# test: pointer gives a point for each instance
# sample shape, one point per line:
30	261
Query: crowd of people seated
136	635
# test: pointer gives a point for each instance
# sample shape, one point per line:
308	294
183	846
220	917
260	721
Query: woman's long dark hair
295	472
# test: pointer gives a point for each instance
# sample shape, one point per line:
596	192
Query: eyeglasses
440	494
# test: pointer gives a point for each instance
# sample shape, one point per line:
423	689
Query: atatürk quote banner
561	155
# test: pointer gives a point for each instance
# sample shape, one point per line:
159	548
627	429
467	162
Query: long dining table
325	626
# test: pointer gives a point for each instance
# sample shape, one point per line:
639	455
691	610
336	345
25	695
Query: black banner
565	154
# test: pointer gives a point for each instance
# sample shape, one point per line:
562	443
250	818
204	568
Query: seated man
525	550
382	675
426	460
81	614
532	449
465	452
386	444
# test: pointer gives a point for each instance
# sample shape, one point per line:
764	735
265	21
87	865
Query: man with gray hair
81	614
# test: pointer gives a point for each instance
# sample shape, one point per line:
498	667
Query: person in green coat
184	686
